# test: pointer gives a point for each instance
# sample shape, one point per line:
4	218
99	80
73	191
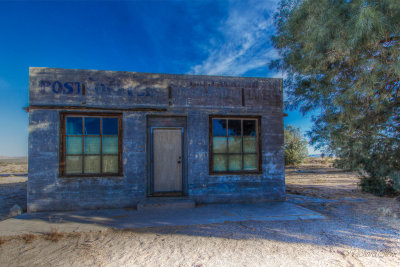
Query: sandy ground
13	165
12	188
321	180
12	191
356	233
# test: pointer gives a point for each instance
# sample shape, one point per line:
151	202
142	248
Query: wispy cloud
244	42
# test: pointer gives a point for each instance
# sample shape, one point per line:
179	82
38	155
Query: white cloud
245	40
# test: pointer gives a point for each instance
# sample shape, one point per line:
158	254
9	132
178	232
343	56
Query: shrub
295	146
54	235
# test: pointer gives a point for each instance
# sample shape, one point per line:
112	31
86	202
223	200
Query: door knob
179	162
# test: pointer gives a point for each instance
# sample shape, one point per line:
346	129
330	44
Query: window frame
62	146
258	139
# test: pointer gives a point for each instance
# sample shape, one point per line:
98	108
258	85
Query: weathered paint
191	96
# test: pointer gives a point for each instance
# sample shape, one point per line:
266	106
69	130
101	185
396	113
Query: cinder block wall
195	97
206	188
48	191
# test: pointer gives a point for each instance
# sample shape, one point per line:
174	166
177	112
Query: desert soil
363	232
13	165
12	191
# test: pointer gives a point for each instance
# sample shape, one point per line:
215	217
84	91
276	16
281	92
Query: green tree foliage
295	146
342	62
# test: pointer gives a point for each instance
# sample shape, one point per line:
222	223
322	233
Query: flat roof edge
38	70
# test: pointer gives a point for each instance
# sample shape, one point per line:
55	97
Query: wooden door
167	160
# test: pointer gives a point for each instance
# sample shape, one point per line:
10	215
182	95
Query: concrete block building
111	139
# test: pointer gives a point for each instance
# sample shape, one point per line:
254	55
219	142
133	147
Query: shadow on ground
344	227
11	194
345	224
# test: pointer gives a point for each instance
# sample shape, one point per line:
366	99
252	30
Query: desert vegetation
295	146
341	59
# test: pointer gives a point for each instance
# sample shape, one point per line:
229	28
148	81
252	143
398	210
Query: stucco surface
165	95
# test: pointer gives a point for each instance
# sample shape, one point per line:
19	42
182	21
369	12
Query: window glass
92	126
110	126
92	164
249	144
235	144
110	164
73	164
235	162
92	145
219	145
74	125
74	145
110	145
219	127
249	127
220	162
234	127
250	161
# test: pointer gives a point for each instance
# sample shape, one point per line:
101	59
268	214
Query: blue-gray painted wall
195	97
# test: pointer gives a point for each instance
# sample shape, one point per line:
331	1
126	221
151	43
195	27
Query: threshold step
165	203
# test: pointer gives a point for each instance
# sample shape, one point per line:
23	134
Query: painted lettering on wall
100	89
58	87
193	94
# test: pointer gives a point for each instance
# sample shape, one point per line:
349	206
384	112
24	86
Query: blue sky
194	37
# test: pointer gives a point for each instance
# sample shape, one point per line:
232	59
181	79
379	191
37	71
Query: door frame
165	122
170	193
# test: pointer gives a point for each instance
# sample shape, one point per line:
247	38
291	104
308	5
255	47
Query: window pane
219	145
110	126
235	144
92	164
249	127
250	161
235	162
110	145
220	162
250	144
73	164
74	125
110	164
92	126
219	127
234	127
92	145
74	145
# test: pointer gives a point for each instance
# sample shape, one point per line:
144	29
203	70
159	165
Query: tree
342	61
295	146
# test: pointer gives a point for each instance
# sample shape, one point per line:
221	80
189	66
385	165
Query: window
234	145
90	144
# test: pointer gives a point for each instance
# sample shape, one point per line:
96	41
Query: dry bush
2	241
75	234
29	238
54	235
